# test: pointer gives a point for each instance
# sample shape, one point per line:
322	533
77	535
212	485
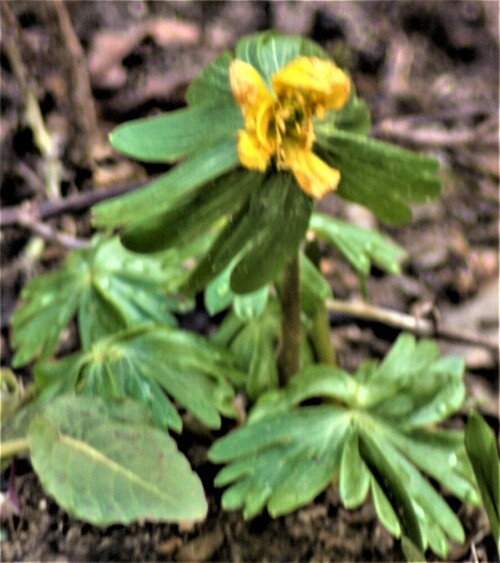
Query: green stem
14	447
320	335
289	356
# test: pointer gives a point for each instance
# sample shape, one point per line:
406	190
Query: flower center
290	121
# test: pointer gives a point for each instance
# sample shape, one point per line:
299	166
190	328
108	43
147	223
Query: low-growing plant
267	132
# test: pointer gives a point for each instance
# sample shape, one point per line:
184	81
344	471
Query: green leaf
294	456
360	247
361	437
106	471
412	553
174	135
482	450
354	117
283	207
48	304
251	305
193	216
253	241
164	193
354	475
380	176
314	285
393	482
253	343
145	362
108	287
212	85
270	51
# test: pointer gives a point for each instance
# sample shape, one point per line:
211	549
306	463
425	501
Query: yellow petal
263	118
313	175
251	153
248	87
322	80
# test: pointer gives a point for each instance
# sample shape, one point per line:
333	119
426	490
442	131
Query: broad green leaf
146	362
177	134
166	192
227	248
482	450
254	240
104	470
360	247
380	176
371	447
106	286
270	51
193	216
212	84
285	211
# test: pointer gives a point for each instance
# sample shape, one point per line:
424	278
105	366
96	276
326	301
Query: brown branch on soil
415	325
82	110
43	210
27	218
404	130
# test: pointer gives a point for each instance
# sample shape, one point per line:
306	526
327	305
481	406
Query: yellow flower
278	124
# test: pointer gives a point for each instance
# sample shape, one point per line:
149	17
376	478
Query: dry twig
415	325
43	210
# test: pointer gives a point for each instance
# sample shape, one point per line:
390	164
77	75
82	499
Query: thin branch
78	202
418	326
404	130
29	220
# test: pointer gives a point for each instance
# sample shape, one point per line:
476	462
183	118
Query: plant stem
14	447
320	335
289	355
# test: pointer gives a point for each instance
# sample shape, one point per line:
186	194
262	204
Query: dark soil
429	71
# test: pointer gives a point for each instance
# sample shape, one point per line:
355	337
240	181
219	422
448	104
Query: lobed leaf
358	437
482	451
106	286
105	470
253	343
360	247
145	362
